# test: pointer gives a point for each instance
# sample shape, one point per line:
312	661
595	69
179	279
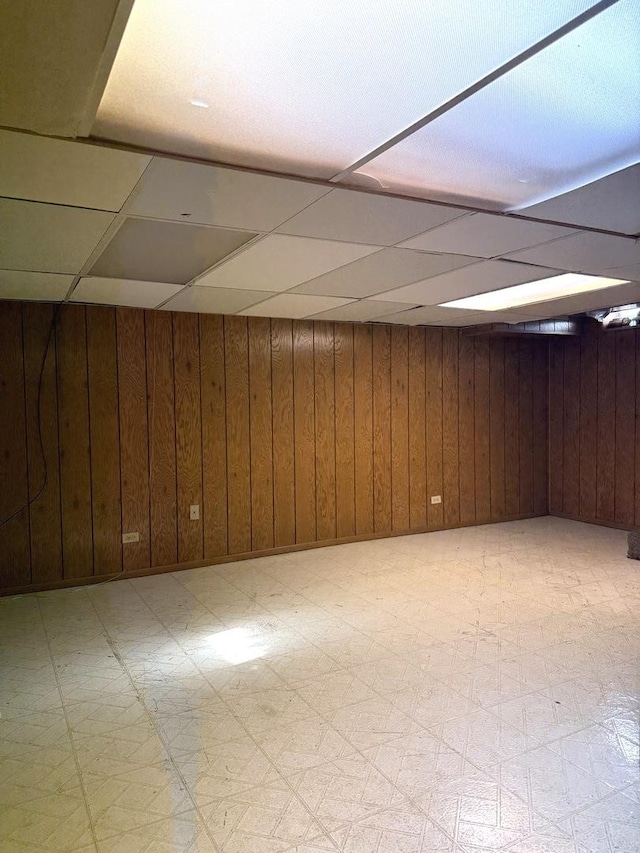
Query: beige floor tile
467	691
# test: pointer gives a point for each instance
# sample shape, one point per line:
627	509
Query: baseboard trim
599	522
248	555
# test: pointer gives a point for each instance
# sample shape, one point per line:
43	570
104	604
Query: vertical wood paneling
44	513
606	450
540	428
450	429
363	426
325	430
382	517
214	435
556	425
345	445
15	560
625	428
496	427
186	352
284	518
162	438
511	427
73	426
466	430
434	438
304	420
236	348
571	465
283	431
134	436
525	431
482	430
588	424
102	360
417	430
399	428
261	433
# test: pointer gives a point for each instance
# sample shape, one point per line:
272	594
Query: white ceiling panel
40	286
120	291
420	316
485	236
605	298
294	306
367	218
627	273
299	87
612	203
214	300
479	278
481	318
584	252
381	271
211	195
278	263
361	311
48	237
52	60
564	118
51	170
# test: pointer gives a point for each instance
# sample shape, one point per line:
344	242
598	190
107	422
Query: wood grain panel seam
91	514
26	433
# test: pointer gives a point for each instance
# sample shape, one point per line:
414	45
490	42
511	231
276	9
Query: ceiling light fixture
531	292
195	102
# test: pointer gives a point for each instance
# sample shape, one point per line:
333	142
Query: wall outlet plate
194	512
436	499
130	537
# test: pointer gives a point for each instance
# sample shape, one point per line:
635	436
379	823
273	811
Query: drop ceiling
385	175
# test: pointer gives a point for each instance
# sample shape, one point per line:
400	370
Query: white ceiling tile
606	298
294	306
422	316
612	203
627	273
367	218
481	318
41	286
52	170
215	300
584	252
361	311
173	252
304	87
120	291
467	281
278	263
381	271
564	117
213	195
48	237
485	236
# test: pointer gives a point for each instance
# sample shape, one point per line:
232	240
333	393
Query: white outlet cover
130	537
436	499
194	512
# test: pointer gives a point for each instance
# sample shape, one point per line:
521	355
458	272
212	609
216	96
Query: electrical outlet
436	499
130	537
194	512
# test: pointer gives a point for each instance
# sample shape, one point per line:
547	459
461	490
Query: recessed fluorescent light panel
564	118
533	291
310	88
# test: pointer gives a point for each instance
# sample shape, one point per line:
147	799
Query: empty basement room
319	426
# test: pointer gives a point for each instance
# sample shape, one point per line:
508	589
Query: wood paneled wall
594	427
285	433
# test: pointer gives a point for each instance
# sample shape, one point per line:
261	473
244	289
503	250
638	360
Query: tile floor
458	692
